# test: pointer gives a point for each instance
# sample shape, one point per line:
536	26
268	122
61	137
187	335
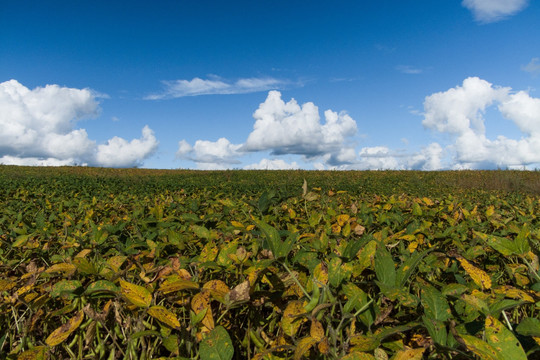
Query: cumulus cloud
216	85
429	158
288	128
118	152
38	128
282	129
377	158
275	164
459	112
460	109
487	11
533	67
210	152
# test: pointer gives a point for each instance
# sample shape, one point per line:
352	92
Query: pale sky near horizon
420	84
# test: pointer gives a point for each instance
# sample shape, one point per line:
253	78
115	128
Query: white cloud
275	164
487	11
32	161
458	112
377	158
210	152
429	158
283	129
121	153
38	127
460	109
288	128
532	67
198	86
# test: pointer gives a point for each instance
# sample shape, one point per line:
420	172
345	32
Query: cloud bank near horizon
287	128
39	128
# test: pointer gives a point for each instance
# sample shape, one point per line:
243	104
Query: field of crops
147	264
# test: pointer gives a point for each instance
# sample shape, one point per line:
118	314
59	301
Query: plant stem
296	280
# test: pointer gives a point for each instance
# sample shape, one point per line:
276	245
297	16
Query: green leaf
454	289
217	345
502	339
357	299
279	248
503	245
529	327
384	266
201	231
21	240
436	329
85	266
229	248
522	244
505	304
171	343
481	348
101	286
65	288
337	271
407	268
435	304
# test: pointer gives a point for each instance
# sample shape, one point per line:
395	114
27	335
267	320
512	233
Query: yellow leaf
37	353
218	289
291	321
63	332
137	295
83	253
364	342
412	246
324	346
367	254
116	262
303	347
358	355
201	302
316	330
165	316
342	219
407	237
61	268
209	252
175	283
410	354
6	285
513	293
481	348
237	224
428	201
480	277
320	273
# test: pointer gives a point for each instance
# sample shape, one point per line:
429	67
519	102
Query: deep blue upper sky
193	72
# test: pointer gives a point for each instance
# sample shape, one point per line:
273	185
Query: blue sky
271	84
